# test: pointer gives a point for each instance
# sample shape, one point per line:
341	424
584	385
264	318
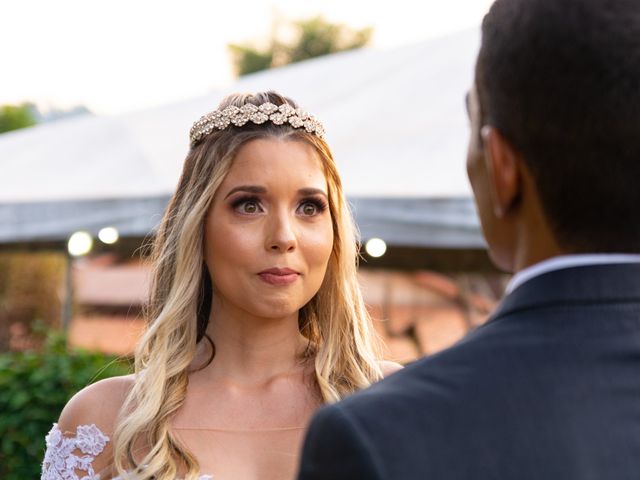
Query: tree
311	38
13	117
247	59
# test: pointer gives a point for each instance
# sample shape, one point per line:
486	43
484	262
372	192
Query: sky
124	55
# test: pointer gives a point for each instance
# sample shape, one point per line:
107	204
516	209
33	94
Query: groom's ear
503	168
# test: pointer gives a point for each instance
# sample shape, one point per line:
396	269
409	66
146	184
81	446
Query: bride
255	317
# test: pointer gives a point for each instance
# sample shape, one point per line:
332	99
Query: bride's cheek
318	245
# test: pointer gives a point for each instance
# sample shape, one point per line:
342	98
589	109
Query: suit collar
583	284
568	261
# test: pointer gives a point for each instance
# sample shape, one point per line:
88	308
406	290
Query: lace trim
61	463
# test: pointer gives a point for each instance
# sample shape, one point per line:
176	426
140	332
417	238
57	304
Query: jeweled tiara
239	116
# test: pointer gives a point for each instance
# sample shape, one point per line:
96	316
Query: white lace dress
67	455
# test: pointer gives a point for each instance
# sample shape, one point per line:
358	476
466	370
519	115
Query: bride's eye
311	207
247	206
250	207
308	209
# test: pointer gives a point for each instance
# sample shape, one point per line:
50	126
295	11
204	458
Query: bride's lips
279	276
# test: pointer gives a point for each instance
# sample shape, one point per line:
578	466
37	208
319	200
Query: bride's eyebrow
311	191
247	188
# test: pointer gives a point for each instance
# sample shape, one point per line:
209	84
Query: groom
549	387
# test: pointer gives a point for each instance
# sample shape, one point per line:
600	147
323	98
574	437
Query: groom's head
554	155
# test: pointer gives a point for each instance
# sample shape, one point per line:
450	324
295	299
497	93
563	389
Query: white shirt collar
568	261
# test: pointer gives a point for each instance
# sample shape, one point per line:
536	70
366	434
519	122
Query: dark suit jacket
547	389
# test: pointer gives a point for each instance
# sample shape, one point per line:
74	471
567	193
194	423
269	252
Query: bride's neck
251	350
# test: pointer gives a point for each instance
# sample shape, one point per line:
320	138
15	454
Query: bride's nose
281	235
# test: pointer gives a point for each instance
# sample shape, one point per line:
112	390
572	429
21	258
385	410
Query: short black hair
560	79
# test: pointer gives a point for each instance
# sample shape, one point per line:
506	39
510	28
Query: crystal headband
285	113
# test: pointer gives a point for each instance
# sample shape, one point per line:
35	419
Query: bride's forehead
276	161
271	149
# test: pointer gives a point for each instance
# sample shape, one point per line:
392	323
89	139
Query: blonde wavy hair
334	321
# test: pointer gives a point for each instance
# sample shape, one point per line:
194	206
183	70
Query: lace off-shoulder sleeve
65	456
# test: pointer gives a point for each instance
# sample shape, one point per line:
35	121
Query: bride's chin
270	309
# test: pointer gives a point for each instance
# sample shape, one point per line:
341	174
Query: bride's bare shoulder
98	404
388	367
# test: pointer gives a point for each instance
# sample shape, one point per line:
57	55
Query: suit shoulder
337	447
434	379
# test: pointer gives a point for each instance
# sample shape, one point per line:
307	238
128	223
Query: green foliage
14	117
34	387
318	37
311	38
249	60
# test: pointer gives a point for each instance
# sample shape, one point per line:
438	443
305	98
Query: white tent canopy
395	120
